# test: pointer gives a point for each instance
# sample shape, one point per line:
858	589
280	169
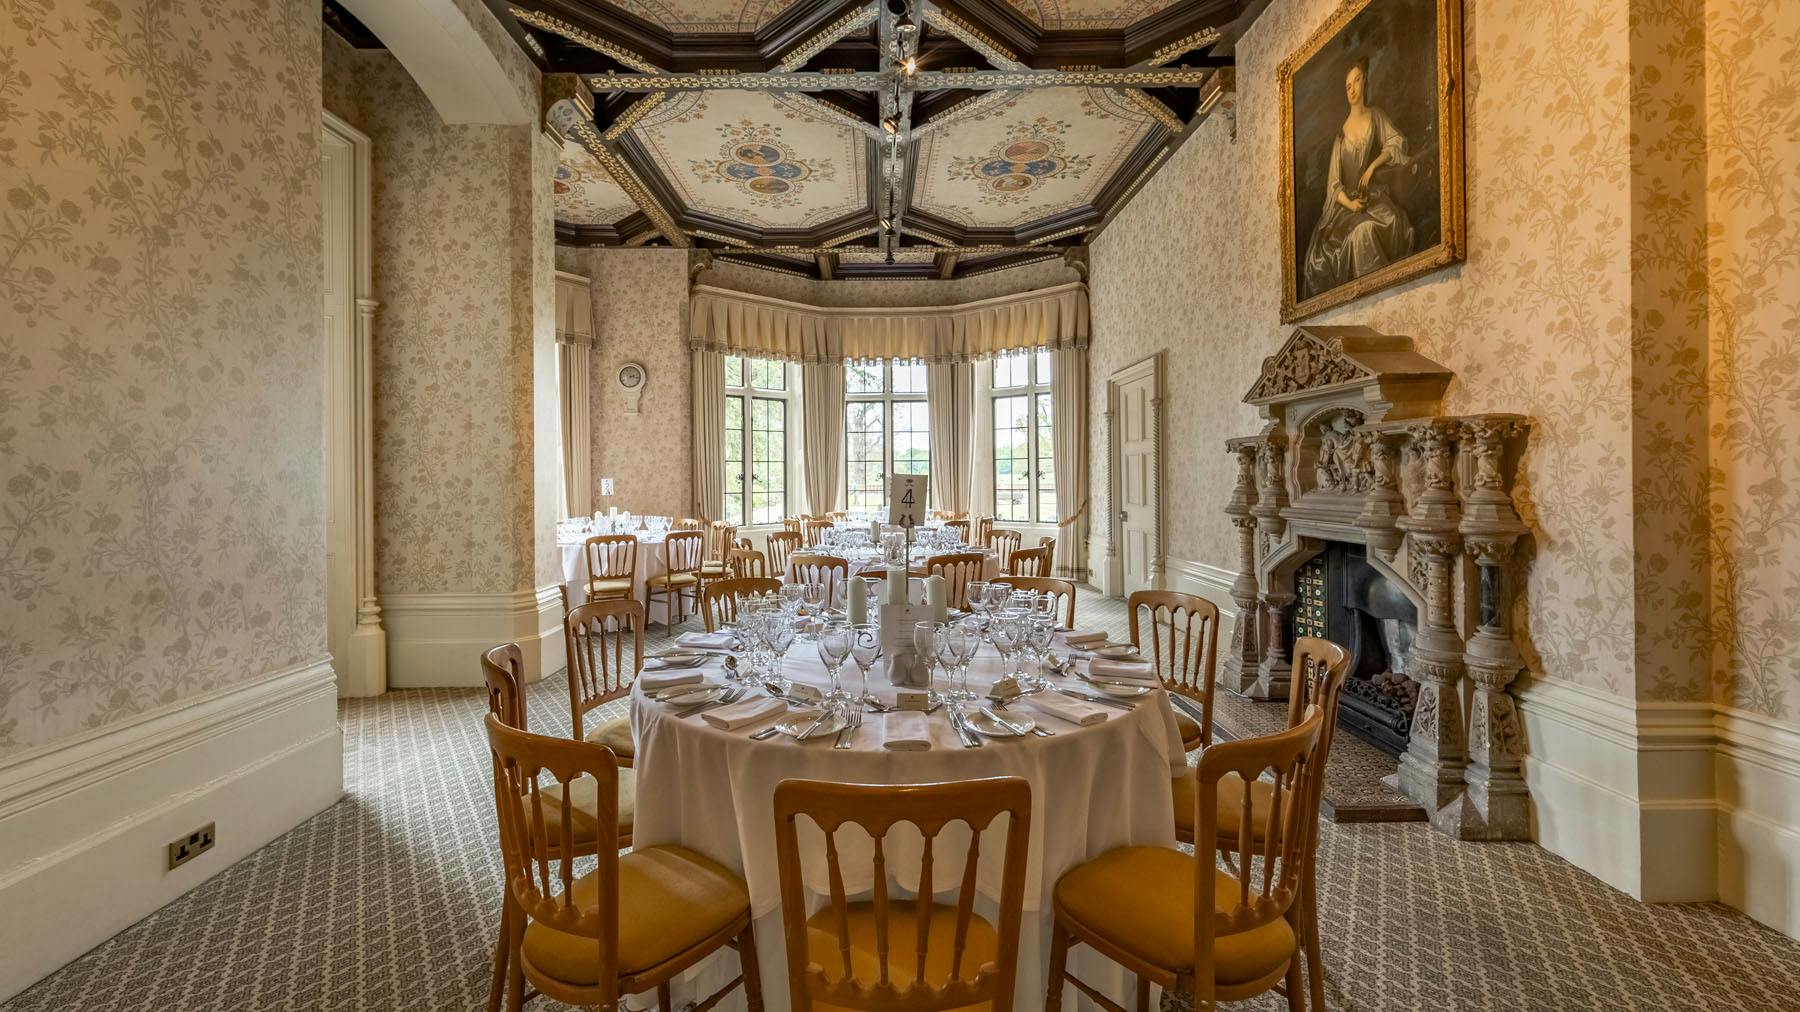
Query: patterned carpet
387	901
1353	788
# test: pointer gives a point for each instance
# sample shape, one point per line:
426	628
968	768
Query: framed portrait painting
1371	152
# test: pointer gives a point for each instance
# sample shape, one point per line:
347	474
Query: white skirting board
1756	770
437	639
85	823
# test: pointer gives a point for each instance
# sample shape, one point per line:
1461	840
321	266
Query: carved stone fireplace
1367	517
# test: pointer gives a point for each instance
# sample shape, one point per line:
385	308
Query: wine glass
976	595
834	647
781	637
925	637
865	650
965	641
1042	633
812	596
1002	631
790	598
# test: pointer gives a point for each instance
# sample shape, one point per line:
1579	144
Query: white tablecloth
1093	789
649	563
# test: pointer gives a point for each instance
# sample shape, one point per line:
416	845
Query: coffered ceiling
866	138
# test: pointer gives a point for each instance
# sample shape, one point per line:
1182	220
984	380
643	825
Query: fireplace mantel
1356	451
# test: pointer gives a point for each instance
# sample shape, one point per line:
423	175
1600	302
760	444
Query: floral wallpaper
466	326
1633	257
160	368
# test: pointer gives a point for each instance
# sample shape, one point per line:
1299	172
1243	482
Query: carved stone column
1490	527
1271	496
1239	671
1431	770
1383	505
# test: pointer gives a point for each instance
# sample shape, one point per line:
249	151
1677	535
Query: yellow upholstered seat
584	802
609	585
616	735
712	569
1190	730
1141	899
1231	806
670	900
903	946
674	579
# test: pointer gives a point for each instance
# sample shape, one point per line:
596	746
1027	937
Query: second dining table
1094	788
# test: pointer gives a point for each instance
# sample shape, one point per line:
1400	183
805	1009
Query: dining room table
1094	787
650	562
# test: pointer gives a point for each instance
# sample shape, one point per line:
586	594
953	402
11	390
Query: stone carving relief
1344	465
1305	364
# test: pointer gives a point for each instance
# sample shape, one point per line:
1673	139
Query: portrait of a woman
1361	228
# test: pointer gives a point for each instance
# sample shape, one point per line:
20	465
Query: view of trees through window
1024	457
887	429
756	440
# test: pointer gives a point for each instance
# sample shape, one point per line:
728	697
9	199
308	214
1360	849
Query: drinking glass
780	638
865	649
1042	633
965	640
925	643
812	595
790	598
1002	630
834	647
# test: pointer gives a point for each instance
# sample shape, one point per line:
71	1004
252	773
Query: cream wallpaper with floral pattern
161	440
1633	259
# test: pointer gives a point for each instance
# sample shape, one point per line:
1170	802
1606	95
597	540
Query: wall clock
631	378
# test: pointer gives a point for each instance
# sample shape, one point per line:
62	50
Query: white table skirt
1093	789
649	563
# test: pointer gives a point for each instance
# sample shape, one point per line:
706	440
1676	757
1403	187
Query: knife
1102	700
961	723
814	726
1017	729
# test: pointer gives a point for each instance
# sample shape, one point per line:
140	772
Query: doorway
1134	404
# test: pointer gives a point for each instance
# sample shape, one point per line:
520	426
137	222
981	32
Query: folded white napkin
905	731
656	681
1122	671
705	640
1068	708
676	663
1085	639
755	710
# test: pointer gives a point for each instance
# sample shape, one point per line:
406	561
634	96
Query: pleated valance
739	323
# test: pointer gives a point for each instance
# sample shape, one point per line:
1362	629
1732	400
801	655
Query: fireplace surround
1366	515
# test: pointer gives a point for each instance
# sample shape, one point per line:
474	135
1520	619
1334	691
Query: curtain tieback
1074	519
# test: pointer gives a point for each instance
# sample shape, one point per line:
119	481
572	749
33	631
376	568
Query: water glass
865	650
834	648
925	643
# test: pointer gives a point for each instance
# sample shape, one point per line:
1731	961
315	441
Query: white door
1135	499
337	312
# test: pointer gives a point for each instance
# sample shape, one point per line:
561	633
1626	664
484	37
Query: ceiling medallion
754	159
1012	168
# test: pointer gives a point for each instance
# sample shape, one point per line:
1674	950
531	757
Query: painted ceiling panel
680	16
1073	15
585	193
1031	155
763	159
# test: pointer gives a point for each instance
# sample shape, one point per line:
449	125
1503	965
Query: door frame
349	435
1152	367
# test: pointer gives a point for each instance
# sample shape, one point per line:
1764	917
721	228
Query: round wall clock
631	378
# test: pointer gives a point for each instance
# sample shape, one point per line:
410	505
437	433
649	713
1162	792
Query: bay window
758	412
887	429
1024	457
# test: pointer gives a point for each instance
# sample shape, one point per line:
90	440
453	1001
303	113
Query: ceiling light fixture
891	125
905	25
911	66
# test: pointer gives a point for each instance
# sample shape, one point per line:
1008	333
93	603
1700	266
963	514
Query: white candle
934	597
875	532
896	581
858	605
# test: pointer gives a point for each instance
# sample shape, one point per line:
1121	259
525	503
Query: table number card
905	667
906	499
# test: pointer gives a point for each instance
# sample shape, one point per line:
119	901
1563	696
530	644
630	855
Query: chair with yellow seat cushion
632	923
1180	922
501	670
782	545
611	564
683	554
895	954
721	535
1316	679
720	601
1182	631
1063	591
601	669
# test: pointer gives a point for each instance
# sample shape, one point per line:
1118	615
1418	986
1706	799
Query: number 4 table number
906	499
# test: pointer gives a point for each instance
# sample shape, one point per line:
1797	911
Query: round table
649	563
1092	789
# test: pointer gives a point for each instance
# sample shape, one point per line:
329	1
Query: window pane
734	459
863	377
909	379
1046	463
1009	371
1043	367
768	374
768	493
912	439
734	371
1012	459
864	449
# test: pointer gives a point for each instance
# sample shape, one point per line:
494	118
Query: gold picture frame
1451	227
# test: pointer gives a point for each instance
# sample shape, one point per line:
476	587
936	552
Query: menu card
905	667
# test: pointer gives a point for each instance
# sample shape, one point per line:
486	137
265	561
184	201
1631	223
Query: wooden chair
898	955
1182	922
961	527
611	565
837	516
949	515
1319	670
719	538
957	569
1049	547
719	601
791	524
599	671
502	668
683	552
687	524
1063	589
813	530
630	925
983	526
1029	562
1003	541
830	570
747	562
1184	646
781	545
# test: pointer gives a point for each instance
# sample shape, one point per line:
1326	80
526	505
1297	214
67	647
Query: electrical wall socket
190	846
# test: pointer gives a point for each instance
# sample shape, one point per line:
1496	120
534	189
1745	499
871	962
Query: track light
891	125
905	25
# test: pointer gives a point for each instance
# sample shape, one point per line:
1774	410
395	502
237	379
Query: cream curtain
822	433
739	323
574	351
709	435
950	399
1069	422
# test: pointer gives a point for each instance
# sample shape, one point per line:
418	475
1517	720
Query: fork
851	723
730	697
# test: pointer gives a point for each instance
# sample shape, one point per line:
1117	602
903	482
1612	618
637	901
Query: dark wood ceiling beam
924	80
